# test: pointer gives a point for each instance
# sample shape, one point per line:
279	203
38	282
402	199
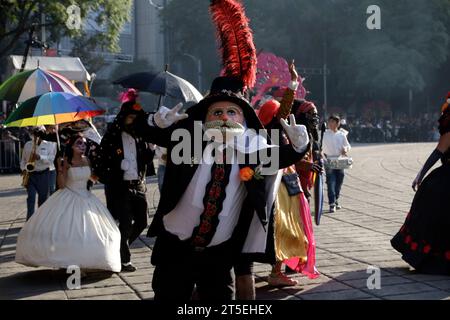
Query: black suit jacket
178	177
107	164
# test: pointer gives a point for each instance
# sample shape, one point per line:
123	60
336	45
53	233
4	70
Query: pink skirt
307	268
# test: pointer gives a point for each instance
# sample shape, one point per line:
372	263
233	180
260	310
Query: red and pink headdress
129	101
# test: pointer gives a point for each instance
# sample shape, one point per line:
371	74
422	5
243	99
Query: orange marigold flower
246	174
137	107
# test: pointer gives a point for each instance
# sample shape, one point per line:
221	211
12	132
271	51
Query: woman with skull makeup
73	227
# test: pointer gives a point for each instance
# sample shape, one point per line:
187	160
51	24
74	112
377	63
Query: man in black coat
124	160
211	212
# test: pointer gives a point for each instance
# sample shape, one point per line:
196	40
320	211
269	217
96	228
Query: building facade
141	39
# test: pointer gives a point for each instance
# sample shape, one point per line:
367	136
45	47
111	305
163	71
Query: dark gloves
317	168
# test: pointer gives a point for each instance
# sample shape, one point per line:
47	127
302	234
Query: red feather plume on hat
236	40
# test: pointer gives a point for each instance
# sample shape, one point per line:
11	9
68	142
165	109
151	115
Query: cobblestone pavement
376	197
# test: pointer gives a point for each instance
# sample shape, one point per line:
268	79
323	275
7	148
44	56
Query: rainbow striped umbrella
25	85
53	108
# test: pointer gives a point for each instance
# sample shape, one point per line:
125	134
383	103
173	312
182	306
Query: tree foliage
407	53
17	16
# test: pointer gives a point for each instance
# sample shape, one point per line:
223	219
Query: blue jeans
38	183
51	182
335	179
161	171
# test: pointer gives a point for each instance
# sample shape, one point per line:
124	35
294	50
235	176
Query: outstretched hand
298	135
293	71
165	117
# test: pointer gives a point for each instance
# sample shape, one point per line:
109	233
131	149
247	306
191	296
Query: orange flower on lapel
246	174
119	151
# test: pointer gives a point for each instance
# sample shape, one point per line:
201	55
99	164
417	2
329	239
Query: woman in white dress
72	227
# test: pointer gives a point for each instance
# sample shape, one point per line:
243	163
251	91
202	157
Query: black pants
243	267
179	267
128	204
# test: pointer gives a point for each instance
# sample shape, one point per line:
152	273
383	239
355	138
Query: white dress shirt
46	151
335	142
129	163
182	220
52	155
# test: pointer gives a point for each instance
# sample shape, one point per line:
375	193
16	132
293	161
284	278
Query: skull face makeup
79	146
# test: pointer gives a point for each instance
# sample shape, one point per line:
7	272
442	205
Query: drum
339	163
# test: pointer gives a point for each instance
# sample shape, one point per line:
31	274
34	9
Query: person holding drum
335	149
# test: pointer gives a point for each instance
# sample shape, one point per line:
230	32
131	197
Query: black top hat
226	89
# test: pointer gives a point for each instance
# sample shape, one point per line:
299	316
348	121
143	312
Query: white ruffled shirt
182	220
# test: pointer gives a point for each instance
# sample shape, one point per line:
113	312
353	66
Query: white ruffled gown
72	227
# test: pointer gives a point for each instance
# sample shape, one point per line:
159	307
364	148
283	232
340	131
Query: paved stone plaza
376	198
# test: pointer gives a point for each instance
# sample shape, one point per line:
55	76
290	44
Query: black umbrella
163	84
137	81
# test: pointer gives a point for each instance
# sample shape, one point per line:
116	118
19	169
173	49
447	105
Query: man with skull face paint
306	113
122	164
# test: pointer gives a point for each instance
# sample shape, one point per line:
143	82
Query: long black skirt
424	239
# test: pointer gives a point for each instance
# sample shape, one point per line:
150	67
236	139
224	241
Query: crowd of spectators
423	128
12	141
400	128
